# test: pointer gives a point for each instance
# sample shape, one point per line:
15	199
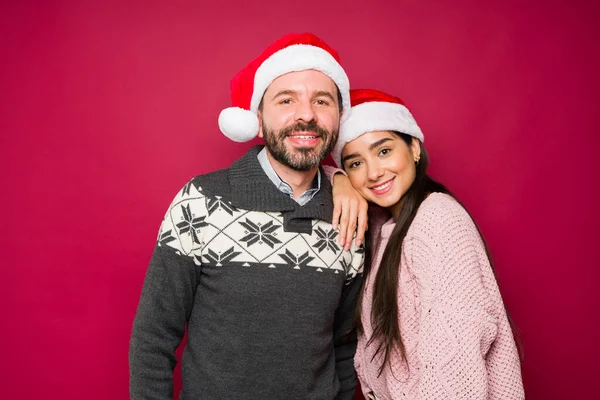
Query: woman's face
381	166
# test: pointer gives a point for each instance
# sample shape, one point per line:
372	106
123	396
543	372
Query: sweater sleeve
465	348
344	333
166	301
331	171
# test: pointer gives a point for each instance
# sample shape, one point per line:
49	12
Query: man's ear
260	130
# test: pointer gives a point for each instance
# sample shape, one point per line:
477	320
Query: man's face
300	119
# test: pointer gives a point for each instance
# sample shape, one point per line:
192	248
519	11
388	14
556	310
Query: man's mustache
303	127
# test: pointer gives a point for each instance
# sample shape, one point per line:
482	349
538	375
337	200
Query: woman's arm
349	208
465	346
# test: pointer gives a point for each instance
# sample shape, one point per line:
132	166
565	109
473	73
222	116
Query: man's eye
286	101
322	102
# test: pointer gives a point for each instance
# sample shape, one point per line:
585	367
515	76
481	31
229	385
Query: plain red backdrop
106	110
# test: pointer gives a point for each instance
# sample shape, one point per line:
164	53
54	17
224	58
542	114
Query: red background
107	110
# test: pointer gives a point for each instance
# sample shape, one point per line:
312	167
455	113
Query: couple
249	259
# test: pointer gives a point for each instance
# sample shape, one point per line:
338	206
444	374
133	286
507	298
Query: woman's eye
383	152
354	164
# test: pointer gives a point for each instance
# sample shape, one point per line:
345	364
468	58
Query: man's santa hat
293	52
372	111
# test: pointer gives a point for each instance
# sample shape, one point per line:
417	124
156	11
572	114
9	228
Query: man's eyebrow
321	93
285	92
371	147
318	93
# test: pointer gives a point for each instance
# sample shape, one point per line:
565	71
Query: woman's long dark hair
384	316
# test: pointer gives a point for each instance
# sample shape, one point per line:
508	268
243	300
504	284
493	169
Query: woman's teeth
382	187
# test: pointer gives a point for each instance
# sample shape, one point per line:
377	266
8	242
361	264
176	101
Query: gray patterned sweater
266	293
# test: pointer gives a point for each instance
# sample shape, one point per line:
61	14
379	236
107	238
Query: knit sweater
458	341
264	289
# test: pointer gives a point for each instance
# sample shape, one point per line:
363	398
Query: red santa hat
372	111
293	52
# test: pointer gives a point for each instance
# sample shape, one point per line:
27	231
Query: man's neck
299	181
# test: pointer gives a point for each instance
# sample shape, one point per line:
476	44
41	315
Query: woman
431	321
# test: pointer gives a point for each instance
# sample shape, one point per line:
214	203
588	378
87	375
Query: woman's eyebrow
371	147
378	143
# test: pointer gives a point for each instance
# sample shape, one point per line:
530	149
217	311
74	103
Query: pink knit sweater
458	340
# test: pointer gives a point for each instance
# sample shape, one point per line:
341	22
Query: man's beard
300	159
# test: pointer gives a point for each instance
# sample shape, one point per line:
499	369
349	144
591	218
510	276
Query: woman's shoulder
441	215
445	240
439	206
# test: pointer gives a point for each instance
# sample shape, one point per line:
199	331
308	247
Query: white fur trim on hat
300	57
375	116
238	124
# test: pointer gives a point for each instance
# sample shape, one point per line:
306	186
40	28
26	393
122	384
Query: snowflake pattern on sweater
214	232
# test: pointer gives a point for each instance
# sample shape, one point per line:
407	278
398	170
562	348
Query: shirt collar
284	187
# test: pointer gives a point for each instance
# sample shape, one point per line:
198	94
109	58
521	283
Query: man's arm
159	325
344	327
166	301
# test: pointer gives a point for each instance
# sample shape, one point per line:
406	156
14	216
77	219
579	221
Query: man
247	257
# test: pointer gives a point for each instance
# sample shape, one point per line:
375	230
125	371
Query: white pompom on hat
293	52
372	111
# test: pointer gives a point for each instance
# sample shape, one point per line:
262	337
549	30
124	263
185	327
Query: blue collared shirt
284	187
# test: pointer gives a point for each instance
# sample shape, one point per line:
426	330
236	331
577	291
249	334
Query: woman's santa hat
372	111
293	52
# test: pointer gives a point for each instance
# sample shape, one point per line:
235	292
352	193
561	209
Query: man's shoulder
212	176
211	183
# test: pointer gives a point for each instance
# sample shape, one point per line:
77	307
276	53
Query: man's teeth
384	186
304	137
